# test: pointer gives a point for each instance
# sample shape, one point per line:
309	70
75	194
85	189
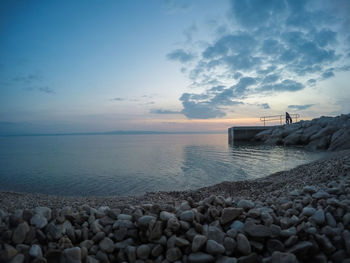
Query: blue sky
75	66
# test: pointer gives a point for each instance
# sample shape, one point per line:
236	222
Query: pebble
35	251
282	257
243	244
20	233
187	215
72	255
173	254
245	204
288	228
200	257
308	211
107	245
143	251
229	214
319	217
214	247
198	242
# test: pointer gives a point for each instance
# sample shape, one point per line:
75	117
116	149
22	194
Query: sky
167	65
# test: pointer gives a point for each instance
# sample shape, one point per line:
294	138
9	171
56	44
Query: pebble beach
301	215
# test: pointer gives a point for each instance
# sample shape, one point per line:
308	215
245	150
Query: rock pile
318	134
311	224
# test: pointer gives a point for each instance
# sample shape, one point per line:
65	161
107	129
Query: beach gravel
301	215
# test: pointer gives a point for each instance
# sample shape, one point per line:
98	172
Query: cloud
117	99
285	85
180	55
280	46
162	111
300	107
311	82
44	89
264	106
28	79
176	6
328	74
189	31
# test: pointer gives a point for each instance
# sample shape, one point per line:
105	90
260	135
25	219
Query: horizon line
121	132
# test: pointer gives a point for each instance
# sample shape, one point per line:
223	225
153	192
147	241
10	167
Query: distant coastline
112	133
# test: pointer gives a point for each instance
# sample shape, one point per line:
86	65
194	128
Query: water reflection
135	164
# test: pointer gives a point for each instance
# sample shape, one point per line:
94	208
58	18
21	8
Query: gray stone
9	252
173	224
216	234
256	230
35	251
187	215
87	243
121	223
145	220
308	211
173	254
325	244
155	229
143	251
39	221
43	211
198	242
107	245
301	248
251	258
319	217
346	237
164	215
72	255
214	247
200	257
281	257
330	220
181	242
243	244
55	231
274	245
230	245
237	225
225	259
321	195
246	204
124	217
20	233
123	244
310	189
157	250
131	253
91	259
19	258
229	214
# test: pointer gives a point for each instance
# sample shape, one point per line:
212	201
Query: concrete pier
244	133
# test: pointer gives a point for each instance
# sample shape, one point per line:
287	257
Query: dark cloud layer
180	55
300	107
273	46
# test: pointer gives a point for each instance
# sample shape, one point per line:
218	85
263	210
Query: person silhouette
288	118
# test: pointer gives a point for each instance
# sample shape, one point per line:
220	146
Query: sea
133	164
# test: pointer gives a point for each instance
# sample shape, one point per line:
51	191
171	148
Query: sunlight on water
135	164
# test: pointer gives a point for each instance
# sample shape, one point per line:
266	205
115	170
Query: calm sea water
135	164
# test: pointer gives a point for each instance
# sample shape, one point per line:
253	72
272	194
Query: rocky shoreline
324	133
301	215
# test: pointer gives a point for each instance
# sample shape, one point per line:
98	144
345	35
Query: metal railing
280	118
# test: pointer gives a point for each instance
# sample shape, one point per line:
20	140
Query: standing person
288	118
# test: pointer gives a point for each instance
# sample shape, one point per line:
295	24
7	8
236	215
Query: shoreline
295	216
253	189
